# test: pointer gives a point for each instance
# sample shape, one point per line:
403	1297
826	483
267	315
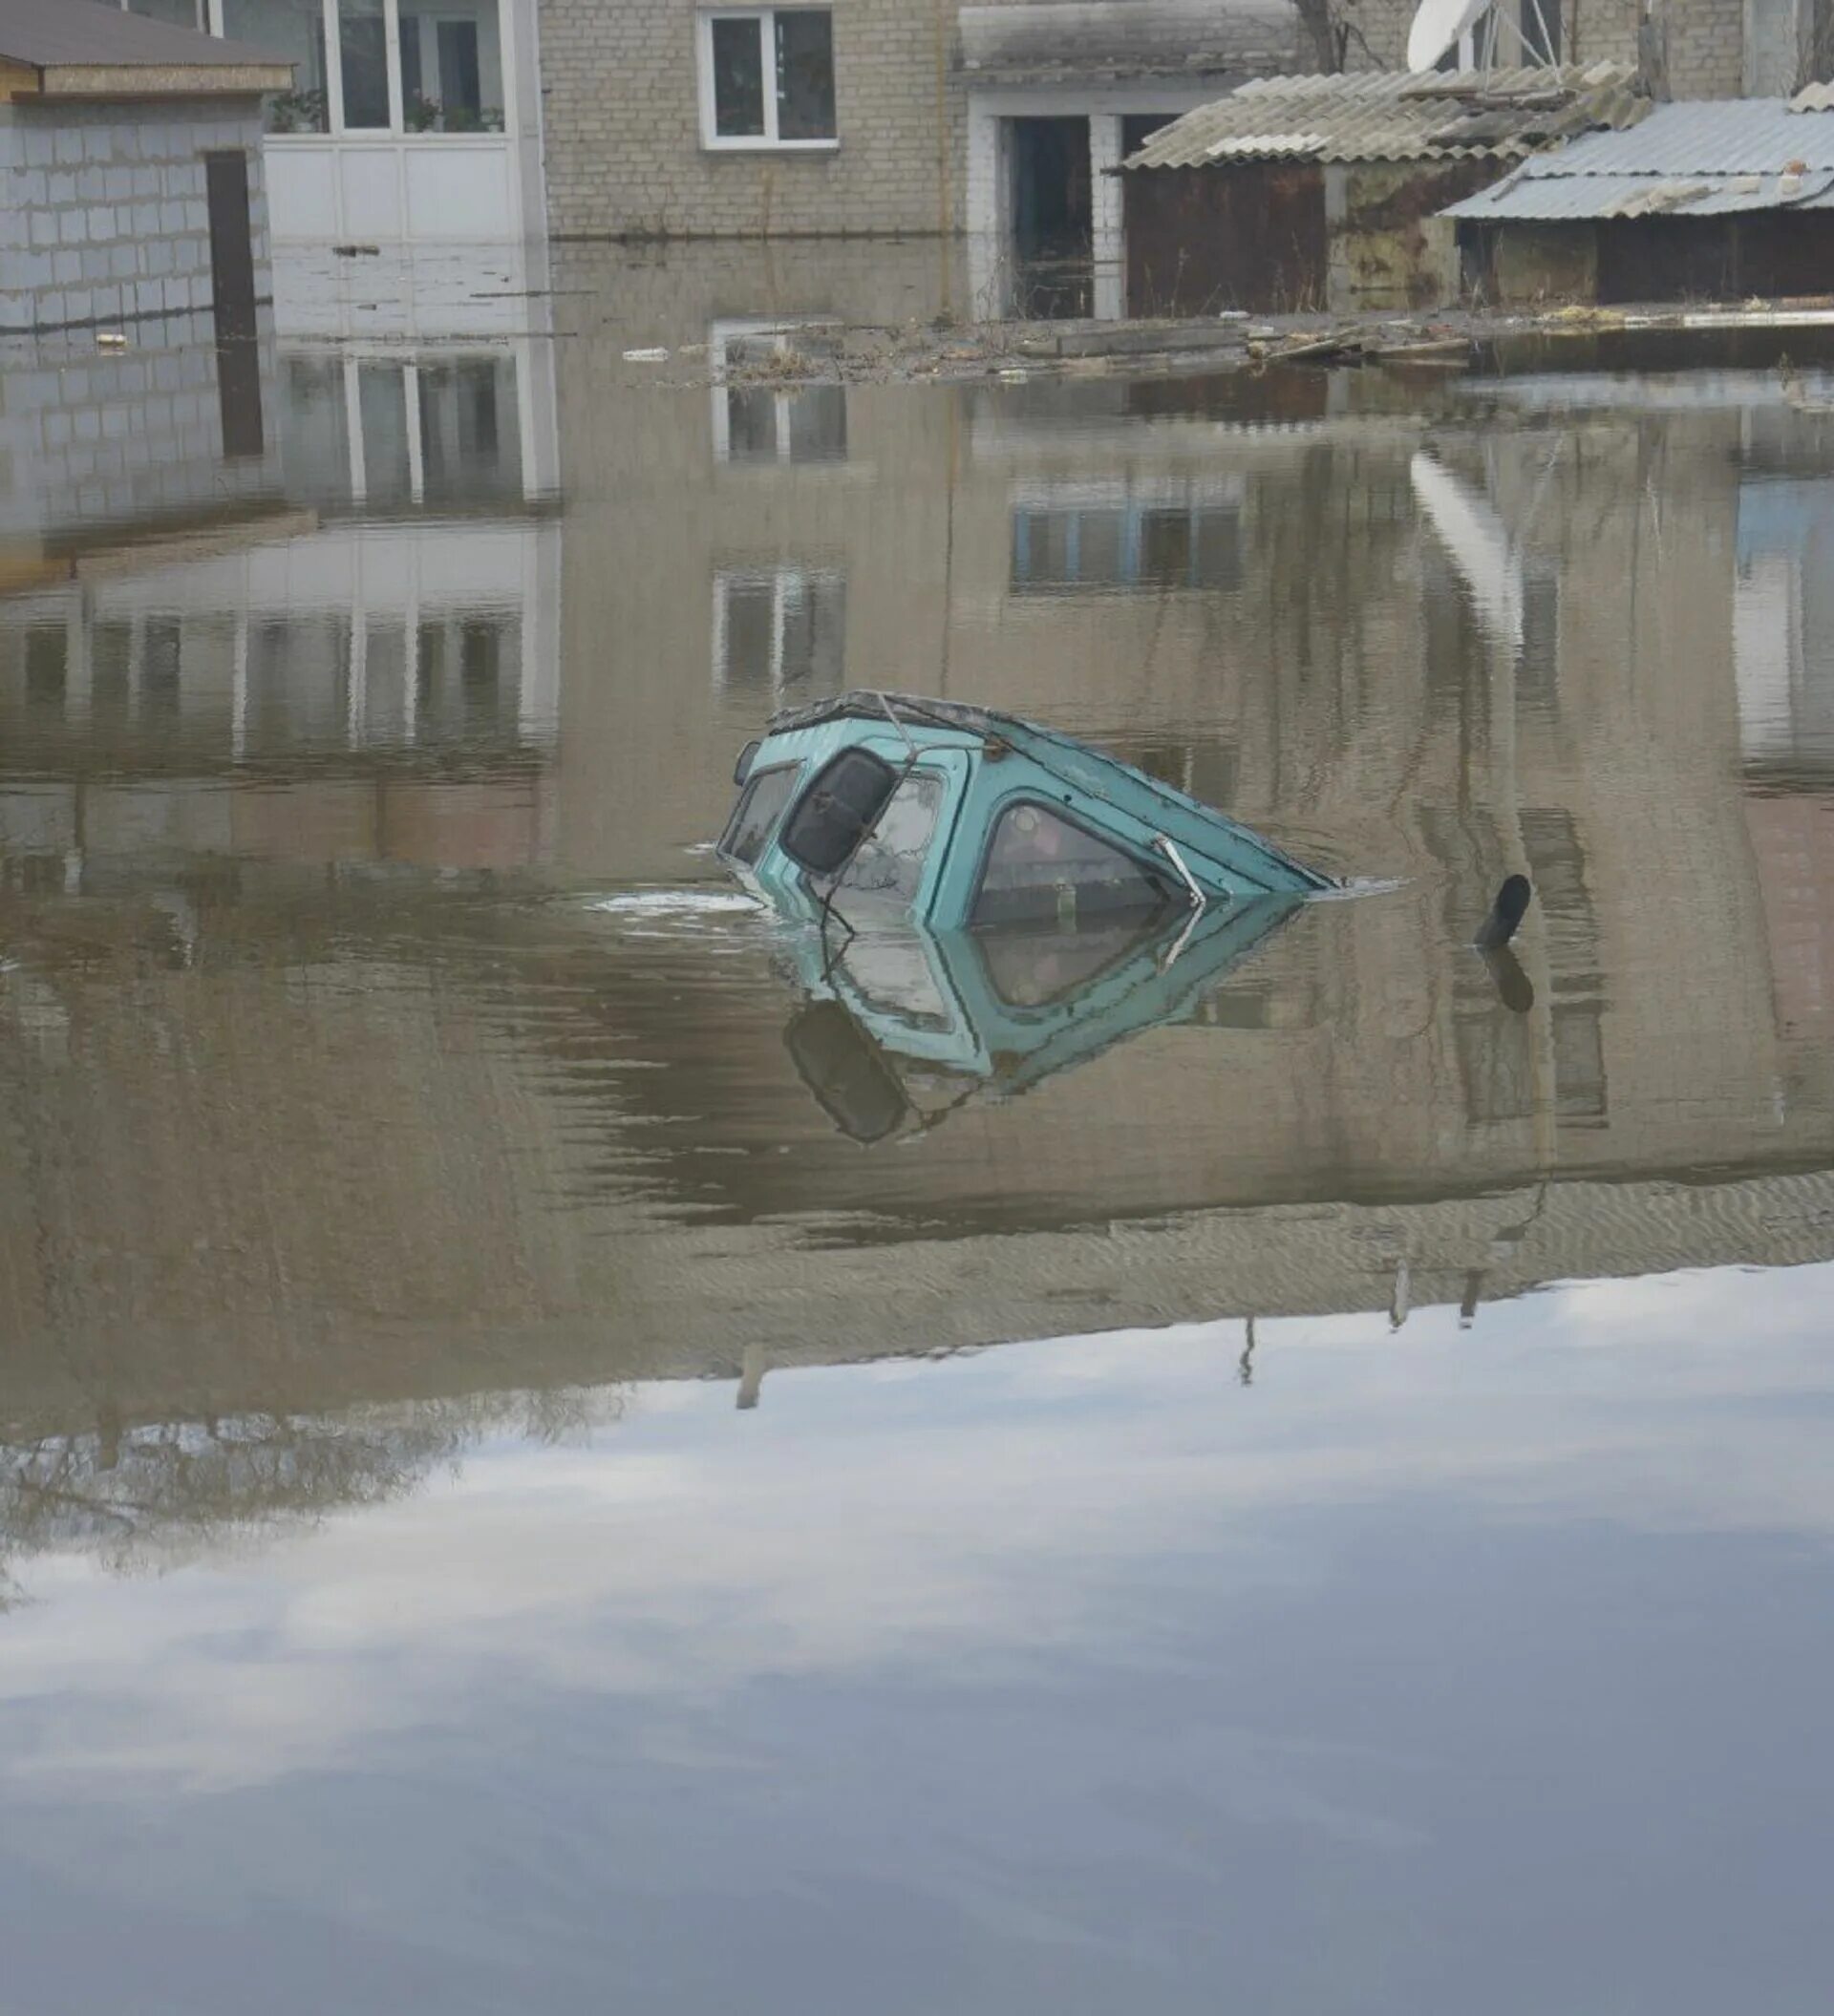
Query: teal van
880	806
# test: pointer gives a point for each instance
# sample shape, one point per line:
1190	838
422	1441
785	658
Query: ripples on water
1394	1576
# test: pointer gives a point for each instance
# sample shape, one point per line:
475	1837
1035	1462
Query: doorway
1053	218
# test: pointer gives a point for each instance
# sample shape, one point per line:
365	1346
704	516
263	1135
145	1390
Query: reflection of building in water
1783	621
310	634
170	430
1075	533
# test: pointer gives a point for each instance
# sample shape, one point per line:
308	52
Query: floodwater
563	1448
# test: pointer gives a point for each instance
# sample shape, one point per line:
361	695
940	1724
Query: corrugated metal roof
1393	116
55	35
1697	159
1706	137
1542	199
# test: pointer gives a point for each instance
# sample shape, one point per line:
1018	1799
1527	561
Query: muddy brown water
532	1479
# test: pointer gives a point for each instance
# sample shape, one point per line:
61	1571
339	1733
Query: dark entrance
232	292
1054	229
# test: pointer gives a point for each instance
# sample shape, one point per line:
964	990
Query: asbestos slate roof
1394	116
1708	159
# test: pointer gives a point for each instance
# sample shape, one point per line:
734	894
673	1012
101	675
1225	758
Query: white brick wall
102	213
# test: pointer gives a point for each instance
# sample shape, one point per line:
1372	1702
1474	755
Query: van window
764	796
889	865
1041	866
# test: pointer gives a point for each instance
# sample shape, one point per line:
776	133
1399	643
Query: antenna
1440	24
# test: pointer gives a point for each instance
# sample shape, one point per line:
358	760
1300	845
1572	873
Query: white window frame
783	334
398	126
767	142
788	584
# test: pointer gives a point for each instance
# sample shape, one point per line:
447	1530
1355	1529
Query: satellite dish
1437	26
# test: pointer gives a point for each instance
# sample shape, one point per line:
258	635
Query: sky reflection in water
1432	1668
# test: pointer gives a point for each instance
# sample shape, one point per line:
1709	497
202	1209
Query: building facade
1696	49
408	122
130	172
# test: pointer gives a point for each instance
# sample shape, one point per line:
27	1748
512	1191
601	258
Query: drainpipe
945	191
1652	49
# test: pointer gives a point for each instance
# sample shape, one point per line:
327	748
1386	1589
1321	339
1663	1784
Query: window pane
470	439
751	424
813	643
315	439
451	67
382	407
1030	968
180	14
890	862
750	611
819	424
805	75
1041	867
293	30
364	61
738	77
47	667
763	798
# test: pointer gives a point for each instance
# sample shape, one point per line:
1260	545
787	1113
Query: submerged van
880	806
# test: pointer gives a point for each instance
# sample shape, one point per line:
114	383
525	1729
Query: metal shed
1323	192
1721	200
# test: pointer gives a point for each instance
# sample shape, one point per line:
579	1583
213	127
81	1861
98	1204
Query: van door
895	870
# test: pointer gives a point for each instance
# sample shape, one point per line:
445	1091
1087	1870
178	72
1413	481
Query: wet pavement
565	1441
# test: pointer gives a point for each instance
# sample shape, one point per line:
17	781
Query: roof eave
66	82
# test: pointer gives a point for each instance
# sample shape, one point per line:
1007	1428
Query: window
1040	967
1129	544
889	865
1043	866
447	75
180	14
767	78
295	29
779	632
1538	664
47	667
470	440
756	417
451	67
363	56
762	800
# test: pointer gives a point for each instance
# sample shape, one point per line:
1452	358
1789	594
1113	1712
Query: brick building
1699	49
665	120
130	168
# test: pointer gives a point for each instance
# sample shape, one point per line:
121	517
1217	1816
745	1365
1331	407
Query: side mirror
843	1067
837	811
747	756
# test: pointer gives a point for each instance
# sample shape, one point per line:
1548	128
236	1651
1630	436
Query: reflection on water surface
413	1150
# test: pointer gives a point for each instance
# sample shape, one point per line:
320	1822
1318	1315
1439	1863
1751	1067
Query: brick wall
1706	42
92	437
1706	48
622	126
102	211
